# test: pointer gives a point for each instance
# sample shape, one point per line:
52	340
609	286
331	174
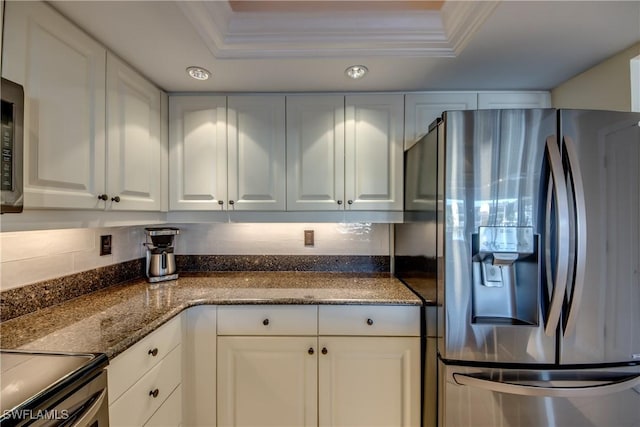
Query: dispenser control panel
506	239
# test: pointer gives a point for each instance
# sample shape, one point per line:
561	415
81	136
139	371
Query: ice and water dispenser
505	276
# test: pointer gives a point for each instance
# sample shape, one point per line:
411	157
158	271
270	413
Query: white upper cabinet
315	152
85	147
197	152
133	139
63	74
421	109
373	151
256	156
494	100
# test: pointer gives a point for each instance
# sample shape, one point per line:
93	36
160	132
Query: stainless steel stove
53	389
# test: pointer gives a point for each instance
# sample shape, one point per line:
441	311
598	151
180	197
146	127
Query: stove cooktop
27	377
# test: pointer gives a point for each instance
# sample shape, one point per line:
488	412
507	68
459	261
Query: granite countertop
111	320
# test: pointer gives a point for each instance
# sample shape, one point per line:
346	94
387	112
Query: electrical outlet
308	238
105	245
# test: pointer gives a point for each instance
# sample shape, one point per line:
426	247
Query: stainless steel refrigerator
522	233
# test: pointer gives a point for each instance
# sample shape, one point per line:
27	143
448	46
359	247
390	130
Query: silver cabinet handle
580	390
580	234
557	186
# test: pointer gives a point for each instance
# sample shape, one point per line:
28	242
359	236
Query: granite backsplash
27	299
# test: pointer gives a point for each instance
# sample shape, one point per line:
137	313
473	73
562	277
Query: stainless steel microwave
12	133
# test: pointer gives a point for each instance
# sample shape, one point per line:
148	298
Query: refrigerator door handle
580	236
562	236
607	387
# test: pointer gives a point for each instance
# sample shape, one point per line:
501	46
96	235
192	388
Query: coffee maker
161	261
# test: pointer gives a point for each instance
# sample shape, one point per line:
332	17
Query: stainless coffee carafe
161	261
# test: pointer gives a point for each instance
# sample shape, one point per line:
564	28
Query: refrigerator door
497	174
601	156
475	397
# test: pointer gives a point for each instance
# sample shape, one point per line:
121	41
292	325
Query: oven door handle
90	412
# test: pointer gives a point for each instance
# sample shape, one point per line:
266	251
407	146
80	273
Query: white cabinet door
315	152
367	381
373	151
267	381
421	109
133	139
495	100
256	143
197	152
63	74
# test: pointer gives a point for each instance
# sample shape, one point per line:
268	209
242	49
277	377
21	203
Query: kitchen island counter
111	320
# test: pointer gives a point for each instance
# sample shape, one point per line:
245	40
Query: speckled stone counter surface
112	319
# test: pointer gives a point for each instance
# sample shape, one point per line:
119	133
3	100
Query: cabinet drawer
268	320
128	367
138	403
170	413
369	320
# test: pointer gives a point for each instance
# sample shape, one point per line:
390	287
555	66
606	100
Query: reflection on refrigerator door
534	398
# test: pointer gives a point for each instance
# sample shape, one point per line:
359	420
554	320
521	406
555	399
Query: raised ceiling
333	6
269	46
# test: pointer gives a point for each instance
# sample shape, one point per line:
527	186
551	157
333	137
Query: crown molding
427	33
463	18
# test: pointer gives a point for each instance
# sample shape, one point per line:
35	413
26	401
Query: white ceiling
469	45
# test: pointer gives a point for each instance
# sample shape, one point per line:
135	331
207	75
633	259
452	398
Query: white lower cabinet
369	365
273	365
366	373
141	379
267	381
170	413
199	366
369	381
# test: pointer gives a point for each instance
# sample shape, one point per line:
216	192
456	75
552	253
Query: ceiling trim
251	35
463	18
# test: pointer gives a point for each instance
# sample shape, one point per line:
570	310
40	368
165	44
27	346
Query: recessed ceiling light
356	71
198	73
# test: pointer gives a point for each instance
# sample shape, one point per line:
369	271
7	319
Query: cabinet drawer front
170	413
128	367
138	403
268	320
369	320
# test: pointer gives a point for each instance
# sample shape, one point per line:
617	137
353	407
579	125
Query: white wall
32	256
282	239
606	86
